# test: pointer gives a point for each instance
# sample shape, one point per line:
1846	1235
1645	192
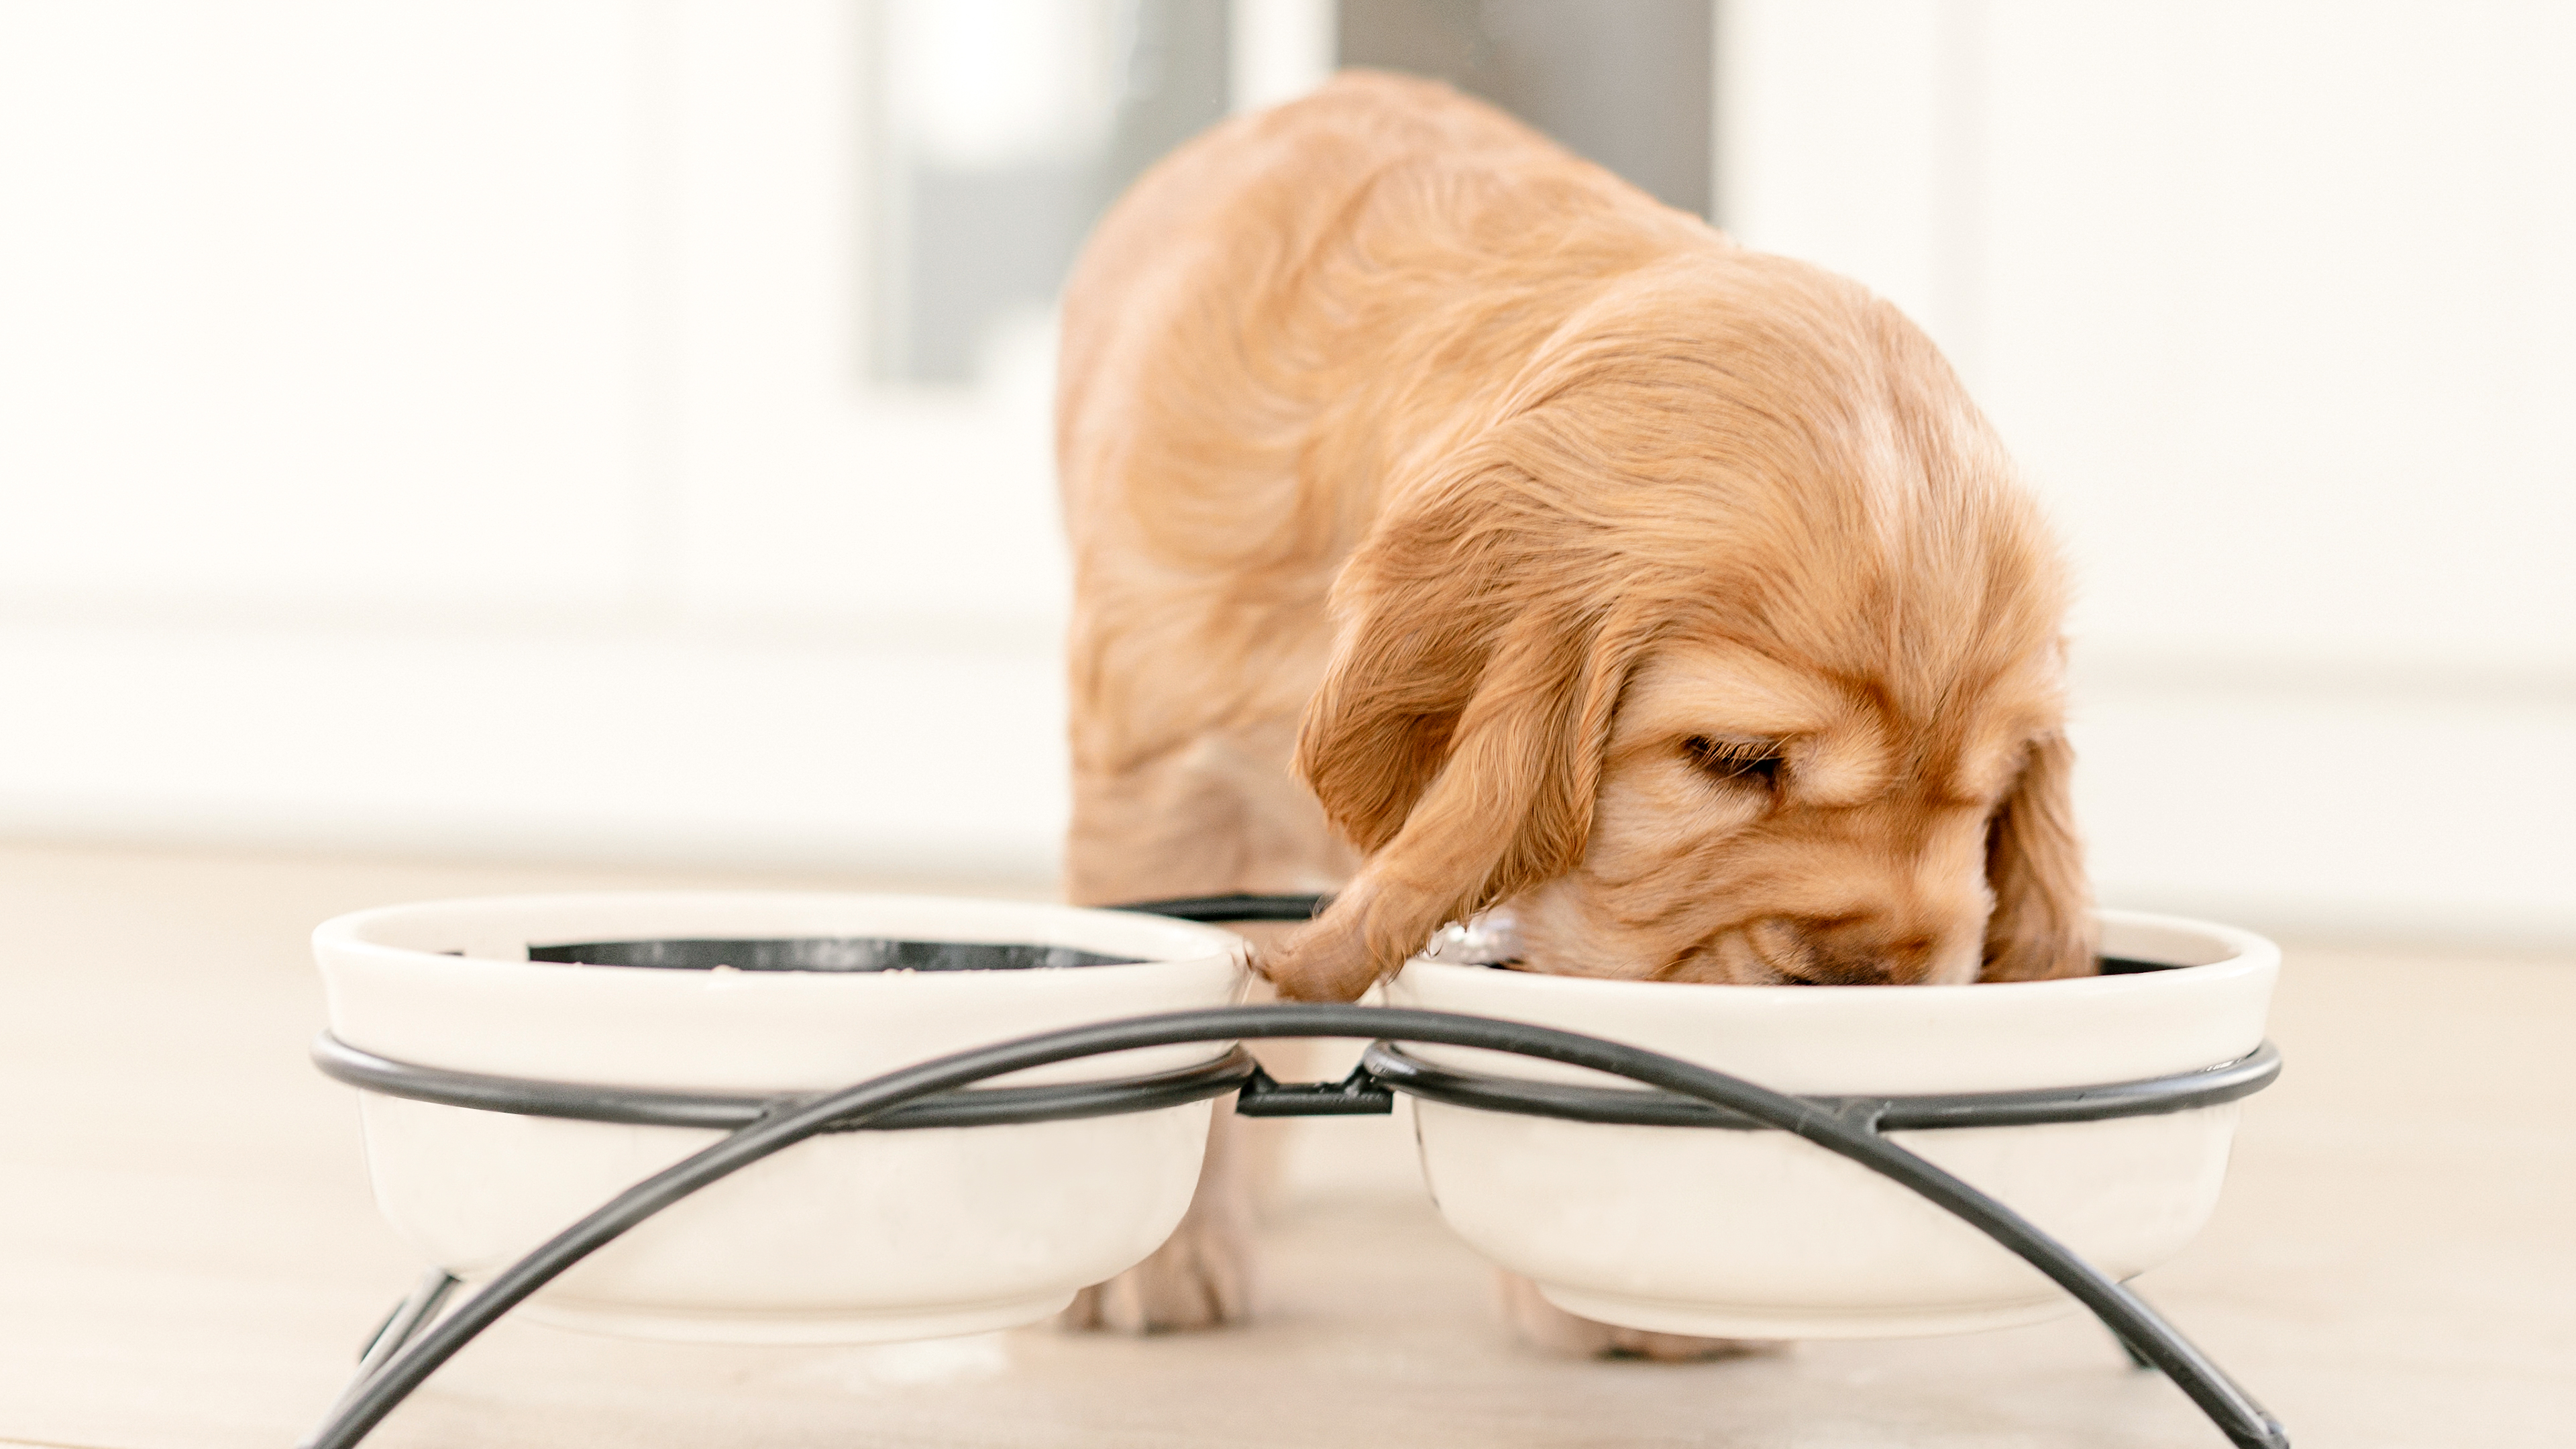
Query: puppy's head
1726	649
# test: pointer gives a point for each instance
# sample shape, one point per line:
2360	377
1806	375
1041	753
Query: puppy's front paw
1202	1275
1544	1325
1201	1278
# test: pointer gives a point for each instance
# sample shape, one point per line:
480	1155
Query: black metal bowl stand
415	1339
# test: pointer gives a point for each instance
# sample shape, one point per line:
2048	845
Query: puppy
1577	561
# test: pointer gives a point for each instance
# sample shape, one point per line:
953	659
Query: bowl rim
2248	954
1161	942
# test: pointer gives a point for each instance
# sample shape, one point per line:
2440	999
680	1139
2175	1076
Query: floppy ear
2042	924
1459	733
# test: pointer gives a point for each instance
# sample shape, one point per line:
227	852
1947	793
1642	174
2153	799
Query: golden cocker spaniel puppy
1456	527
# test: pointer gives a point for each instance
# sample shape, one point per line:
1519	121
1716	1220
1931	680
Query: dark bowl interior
878	953
821	953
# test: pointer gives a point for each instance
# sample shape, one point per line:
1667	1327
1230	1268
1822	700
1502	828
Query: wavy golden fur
1578	561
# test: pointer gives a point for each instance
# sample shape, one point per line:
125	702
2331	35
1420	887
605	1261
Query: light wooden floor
188	1255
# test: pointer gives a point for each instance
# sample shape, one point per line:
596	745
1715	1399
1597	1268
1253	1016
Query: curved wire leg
2152	1343
2129	1351
414	1312
2236	1414
408	1317
2143	1333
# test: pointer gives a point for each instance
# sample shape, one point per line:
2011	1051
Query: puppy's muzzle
1807	951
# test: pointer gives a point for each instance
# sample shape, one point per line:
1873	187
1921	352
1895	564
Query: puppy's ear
1459	733
2042	924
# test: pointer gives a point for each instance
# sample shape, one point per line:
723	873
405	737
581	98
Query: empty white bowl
849	1237
1761	1235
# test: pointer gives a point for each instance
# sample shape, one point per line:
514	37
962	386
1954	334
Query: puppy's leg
1222	815
1544	1325
1202	1276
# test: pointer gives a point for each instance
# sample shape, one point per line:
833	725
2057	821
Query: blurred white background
618	432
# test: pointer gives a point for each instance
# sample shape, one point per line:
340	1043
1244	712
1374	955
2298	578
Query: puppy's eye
1738	762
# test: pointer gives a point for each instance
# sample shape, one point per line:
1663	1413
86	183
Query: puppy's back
1258	337
1219	226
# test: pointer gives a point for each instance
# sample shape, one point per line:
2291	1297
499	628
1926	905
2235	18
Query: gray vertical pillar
960	247
1627	83
1172	84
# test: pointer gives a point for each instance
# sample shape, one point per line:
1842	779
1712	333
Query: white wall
2274	303
446	429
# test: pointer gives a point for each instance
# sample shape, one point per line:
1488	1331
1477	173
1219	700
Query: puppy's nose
1819	951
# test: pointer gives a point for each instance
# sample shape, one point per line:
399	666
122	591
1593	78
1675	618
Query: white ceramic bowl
851	1237
1761	1235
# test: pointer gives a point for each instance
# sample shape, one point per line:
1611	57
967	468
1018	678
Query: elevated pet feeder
525	1059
